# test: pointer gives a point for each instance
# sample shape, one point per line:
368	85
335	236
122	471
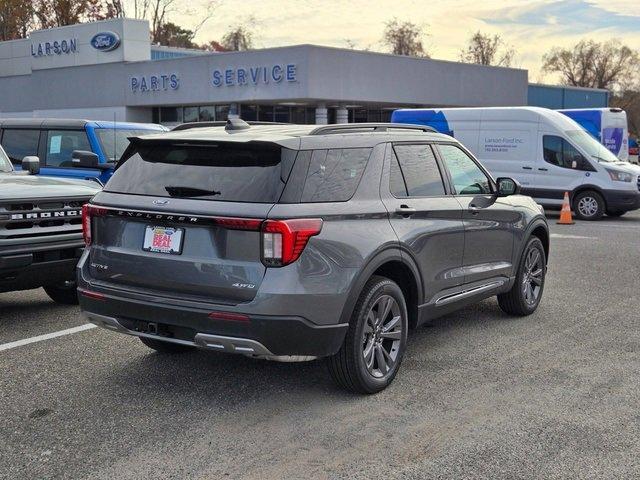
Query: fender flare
537	222
390	254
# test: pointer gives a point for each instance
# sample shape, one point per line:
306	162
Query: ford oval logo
160	202
105	41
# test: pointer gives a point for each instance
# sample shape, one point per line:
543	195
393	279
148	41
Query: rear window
333	175
223	172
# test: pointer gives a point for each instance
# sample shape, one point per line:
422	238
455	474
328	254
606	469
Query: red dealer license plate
163	240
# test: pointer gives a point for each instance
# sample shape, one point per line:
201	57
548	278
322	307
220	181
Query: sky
531	27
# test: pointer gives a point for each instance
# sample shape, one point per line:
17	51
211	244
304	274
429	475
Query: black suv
299	241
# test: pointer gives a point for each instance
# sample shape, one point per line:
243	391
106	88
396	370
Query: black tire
615	213
66	294
165	347
589	205
515	301
348	367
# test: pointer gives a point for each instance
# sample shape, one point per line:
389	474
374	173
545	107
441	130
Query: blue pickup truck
54	140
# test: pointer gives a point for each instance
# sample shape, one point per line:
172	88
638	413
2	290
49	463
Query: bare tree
240	36
404	38
591	64
16	19
158	12
58	13
487	50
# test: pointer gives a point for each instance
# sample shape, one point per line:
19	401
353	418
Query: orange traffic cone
565	213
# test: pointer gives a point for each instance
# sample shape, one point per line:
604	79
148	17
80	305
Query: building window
171	114
249	112
207	113
265	113
331	115
282	114
359	115
298	115
222	112
190	114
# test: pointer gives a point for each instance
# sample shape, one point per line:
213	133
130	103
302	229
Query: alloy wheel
533	276
588	206
382	334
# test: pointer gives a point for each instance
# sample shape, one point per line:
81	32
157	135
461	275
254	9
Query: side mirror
84	159
507	186
31	164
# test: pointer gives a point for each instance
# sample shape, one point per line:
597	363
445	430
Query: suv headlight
619	176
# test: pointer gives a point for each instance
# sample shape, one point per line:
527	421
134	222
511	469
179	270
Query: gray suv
294	242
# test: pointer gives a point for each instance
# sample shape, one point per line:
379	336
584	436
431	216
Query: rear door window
415	172
19	143
333	175
224	172
62	143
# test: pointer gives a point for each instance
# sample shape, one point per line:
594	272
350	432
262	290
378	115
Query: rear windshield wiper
189	191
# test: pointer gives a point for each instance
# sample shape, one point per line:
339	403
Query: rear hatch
183	219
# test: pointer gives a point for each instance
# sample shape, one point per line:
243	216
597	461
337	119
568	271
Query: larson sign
57	47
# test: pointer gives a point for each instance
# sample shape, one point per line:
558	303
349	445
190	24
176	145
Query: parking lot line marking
610	225
47	336
578	237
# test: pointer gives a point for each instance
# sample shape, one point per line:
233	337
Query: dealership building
110	70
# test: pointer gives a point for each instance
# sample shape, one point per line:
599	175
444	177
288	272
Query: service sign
255	75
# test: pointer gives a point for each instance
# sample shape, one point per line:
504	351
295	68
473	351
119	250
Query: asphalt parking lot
480	394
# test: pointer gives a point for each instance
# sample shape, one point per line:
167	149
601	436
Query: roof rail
222	123
376	127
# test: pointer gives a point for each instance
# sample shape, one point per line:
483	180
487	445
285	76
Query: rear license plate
163	240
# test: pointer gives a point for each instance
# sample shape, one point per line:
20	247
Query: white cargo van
547	152
607	125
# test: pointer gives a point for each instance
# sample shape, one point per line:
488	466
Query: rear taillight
284	240
89	211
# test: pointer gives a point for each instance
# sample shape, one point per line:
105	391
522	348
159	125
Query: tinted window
60	145
213	172
467	177
333	175
115	141
20	143
396	180
557	151
418	171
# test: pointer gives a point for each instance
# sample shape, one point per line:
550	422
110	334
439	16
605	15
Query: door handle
474	209
543	169
527	168
405	210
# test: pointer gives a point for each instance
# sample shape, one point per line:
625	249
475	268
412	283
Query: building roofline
570	87
344	50
110	20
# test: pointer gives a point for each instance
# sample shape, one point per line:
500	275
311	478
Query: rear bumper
258	335
622	200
